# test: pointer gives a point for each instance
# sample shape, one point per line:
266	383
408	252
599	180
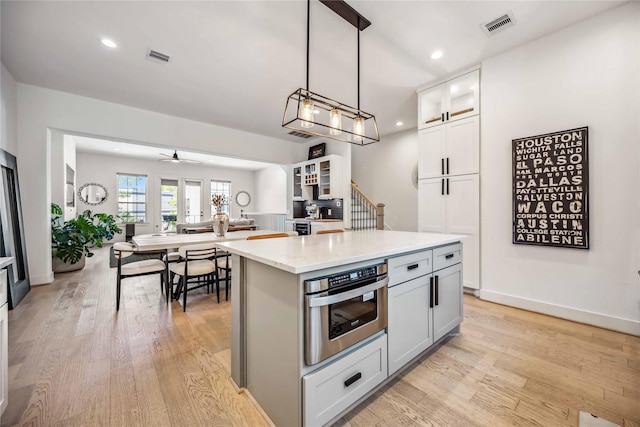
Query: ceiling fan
176	159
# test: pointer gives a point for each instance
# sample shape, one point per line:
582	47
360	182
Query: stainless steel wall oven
344	309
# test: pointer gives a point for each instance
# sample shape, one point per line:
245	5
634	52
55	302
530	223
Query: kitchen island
271	320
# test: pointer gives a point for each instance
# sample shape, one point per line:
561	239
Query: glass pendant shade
306	113
358	129
335	122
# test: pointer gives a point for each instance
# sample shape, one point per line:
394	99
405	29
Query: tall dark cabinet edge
12	239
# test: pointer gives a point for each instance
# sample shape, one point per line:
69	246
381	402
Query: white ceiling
233	63
147	152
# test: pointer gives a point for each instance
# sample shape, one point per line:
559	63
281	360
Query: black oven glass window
352	313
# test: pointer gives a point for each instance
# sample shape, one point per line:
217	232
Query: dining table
158	241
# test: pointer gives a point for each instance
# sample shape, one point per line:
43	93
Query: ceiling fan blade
176	159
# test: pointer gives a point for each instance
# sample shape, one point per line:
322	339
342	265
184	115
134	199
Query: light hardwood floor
74	361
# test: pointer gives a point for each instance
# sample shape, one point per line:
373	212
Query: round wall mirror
93	193
243	198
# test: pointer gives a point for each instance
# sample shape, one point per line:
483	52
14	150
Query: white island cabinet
269	319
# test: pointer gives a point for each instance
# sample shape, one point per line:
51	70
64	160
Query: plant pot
220	223
59	266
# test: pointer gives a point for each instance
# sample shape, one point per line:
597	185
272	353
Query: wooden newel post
380	216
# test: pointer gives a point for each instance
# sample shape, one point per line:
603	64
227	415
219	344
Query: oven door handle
344	296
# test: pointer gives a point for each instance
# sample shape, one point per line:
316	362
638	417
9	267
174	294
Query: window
221	187
132	198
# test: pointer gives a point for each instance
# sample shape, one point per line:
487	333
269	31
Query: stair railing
365	215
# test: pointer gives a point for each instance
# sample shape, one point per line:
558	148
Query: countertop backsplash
325	206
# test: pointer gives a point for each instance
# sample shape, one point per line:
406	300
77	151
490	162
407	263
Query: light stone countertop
6	261
303	254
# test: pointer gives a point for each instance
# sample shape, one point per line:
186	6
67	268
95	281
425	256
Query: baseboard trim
41	280
619	324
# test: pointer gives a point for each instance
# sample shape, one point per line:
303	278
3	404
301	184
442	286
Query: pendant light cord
308	23
358	30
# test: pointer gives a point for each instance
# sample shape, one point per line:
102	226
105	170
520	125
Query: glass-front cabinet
452	100
329	177
325	173
297	182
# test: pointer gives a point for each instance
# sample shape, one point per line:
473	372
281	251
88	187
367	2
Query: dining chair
144	267
197	267
223	273
335	230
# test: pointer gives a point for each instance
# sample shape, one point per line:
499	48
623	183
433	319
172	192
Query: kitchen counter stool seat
145	267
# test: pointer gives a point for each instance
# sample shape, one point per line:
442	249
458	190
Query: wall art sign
317	151
551	189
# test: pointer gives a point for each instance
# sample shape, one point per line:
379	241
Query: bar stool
336	230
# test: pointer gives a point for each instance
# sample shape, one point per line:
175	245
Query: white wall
8	112
70	159
42	109
584	75
383	173
270	190
103	169
63	153
57	179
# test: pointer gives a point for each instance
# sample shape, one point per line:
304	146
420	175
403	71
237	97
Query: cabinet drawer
447	255
408	267
332	389
3	286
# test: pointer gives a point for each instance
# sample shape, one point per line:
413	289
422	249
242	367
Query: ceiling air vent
155	56
505	21
300	134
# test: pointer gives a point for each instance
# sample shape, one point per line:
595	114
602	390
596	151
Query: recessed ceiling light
436	54
108	42
116	149
399	123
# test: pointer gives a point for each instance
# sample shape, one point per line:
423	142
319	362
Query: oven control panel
352	276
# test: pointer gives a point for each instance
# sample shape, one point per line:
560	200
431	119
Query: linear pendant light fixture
314	114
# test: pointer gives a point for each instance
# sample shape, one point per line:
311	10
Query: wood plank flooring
74	361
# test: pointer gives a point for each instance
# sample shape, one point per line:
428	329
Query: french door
181	200
193	201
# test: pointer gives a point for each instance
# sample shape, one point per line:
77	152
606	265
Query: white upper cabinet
300	191
453	100
323	172
451	149
330	177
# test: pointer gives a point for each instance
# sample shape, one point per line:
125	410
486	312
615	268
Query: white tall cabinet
449	165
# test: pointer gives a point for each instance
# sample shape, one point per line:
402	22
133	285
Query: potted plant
72	240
